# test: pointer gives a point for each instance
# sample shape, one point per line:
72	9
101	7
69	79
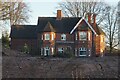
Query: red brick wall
18	44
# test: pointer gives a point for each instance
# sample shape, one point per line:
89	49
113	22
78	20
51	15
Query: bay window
82	36
47	36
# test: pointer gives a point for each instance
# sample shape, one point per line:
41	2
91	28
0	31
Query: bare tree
77	9
119	23
14	12
111	28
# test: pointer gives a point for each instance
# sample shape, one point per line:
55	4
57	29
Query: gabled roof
49	28
24	31
80	23
64	25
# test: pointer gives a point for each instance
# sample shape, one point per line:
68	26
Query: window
46	51
52	49
60	50
89	36
47	36
42	37
76	36
52	37
83	36
63	37
82	52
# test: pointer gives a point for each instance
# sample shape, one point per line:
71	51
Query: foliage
5	40
26	49
14	12
66	54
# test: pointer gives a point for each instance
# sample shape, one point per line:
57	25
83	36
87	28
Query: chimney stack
89	17
59	14
94	20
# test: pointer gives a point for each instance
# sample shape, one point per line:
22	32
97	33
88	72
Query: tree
111	28
14	12
78	9
119	23
5	40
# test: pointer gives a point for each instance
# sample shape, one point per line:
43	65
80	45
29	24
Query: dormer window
82	36
63	37
47	36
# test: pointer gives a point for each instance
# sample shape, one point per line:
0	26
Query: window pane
63	37
83	35
47	36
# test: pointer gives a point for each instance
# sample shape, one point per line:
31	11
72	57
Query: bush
26	49
5	40
66	54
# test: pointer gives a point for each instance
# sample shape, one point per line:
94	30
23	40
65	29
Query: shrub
25	49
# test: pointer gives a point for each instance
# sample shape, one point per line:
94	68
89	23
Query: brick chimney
94	20
59	14
89	17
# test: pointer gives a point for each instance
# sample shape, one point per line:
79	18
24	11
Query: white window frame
82	34
61	50
89	36
46	36
82	49
42	37
76	36
52	50
46	48
63	36
52	36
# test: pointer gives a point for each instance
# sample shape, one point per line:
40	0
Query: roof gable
49	28
80	21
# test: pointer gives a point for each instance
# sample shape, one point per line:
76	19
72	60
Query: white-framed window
82	36
46	51
63	37
89	36
82	51
52	50
42	37
41	51
60	50
76	36
52	36
47	36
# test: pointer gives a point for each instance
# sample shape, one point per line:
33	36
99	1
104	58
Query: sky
47	8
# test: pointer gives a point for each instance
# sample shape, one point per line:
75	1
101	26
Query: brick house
54	35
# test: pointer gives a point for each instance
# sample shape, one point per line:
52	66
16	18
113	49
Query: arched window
63	37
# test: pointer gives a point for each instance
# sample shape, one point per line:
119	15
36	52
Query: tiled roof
24	31
65	25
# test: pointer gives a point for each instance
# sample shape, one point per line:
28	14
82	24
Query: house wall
100	44
18	44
